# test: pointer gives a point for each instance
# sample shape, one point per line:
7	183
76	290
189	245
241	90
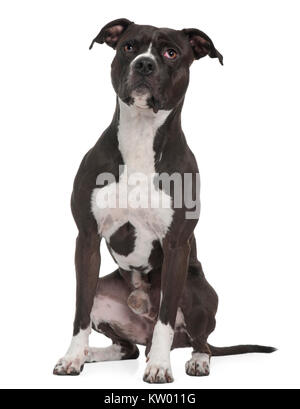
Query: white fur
198	365
136	133
76	354
111	353
158	369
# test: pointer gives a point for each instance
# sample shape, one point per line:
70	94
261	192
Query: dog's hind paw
158	373
198	365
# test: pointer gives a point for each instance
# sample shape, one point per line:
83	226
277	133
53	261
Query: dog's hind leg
115	352
120	349
199	315
112	317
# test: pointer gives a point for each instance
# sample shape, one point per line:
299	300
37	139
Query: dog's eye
128	48
170	54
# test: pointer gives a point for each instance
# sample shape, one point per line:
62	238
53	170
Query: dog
158	297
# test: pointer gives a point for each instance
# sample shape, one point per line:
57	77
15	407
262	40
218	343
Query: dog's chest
132	214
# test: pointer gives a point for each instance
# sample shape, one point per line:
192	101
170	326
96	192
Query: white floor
249	371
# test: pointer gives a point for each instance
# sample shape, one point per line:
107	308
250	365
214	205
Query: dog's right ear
111	33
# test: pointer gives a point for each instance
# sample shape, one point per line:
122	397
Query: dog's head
151	65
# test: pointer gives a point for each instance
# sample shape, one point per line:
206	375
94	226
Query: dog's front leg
174	273
87	261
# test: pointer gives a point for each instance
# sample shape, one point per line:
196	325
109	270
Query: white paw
71	365
199	365
73	361
158	372
159	369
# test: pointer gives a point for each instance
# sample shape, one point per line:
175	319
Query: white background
241	121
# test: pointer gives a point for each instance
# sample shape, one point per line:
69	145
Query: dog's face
151	65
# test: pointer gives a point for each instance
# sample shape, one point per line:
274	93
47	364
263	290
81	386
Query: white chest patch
134	198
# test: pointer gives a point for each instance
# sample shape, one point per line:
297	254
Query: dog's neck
137	133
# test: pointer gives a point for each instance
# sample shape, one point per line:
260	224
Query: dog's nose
144	66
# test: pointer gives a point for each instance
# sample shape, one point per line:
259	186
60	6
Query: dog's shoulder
177	158
103	158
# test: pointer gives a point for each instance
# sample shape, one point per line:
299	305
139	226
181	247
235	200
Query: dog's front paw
70	365
198	365
158	372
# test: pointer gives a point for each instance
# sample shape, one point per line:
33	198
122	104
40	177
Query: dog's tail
240	349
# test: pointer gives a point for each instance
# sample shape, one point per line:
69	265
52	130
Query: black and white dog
158	296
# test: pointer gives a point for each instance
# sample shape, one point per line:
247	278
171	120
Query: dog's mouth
142	96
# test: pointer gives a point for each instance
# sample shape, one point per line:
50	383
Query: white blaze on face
147	54
141	95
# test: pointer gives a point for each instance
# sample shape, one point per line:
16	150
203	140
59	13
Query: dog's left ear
111	33
202	44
